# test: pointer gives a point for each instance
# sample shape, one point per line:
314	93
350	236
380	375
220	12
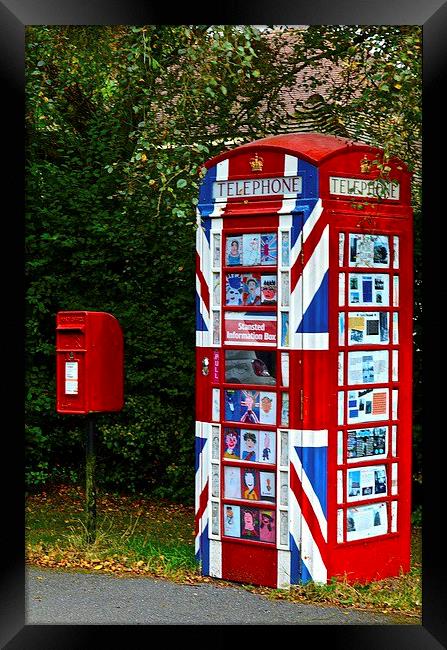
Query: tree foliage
119	120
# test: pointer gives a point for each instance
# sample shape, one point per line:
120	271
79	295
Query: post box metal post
89	380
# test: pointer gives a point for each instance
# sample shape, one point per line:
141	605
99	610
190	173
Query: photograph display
252	249
367	328
367	405
368	367
369	289
245	522
366	482
366	521
367	442
369	250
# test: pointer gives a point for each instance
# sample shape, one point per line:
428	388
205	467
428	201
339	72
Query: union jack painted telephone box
304	363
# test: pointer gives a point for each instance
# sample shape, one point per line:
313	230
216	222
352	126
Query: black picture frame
14	16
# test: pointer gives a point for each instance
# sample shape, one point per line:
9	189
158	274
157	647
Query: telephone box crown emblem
365	165
256	163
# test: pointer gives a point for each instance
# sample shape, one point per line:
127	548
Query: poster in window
232	482
285	329
366	521
267	446
367	442
368	328
242	406
232	443
250	484
249	445
266	486
367	250
245	327
233	251
369	289
251	249
249	523
267	408
234	290
267	526
366	482
368	405
285	248
269	249
232	521
269	290
251	283
368	367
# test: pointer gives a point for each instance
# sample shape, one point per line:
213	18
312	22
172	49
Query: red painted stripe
202	506
204	290
308	512
307	251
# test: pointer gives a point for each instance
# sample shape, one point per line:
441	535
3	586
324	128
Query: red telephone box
304	363
89	362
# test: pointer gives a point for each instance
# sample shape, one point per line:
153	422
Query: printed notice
368	328
367	405
368	367
71	377
366	521
366	483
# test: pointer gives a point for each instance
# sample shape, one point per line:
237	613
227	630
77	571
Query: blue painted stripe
205	552
294	561
314	462
198	448
200	323
316	317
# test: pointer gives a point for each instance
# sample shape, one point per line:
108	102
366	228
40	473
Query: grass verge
138	536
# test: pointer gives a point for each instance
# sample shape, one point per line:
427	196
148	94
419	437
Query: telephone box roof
313	147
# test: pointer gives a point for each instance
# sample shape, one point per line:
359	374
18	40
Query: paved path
55	597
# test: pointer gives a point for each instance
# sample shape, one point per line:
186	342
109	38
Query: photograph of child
267	486
232	443
250	488
232	521
249	523
268	408
232	482
267	526
234	251
249	445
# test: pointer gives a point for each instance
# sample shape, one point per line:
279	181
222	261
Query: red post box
89	362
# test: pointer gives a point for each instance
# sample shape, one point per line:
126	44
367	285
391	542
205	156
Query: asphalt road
55	597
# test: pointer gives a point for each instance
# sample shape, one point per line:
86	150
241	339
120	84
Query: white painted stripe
215	558
312	220
310	493
313	274
283	574
309	551
309	437
311	340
